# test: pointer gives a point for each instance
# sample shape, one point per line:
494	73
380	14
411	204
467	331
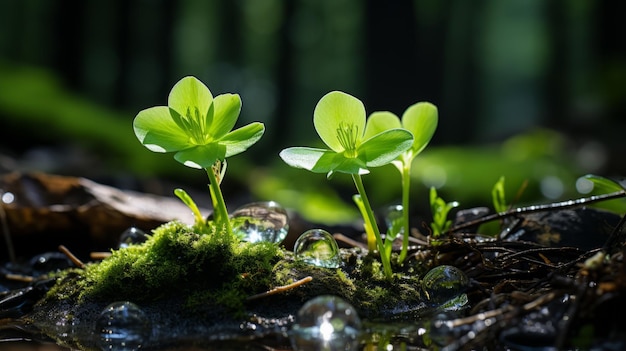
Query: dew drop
132	236
260	221
319	248
444	283
122	326
7	197
326	323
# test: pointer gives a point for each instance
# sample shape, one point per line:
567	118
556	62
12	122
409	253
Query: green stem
220	213
384	257
406	184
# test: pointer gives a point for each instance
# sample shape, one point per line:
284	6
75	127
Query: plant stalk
219	206
406	185
384	257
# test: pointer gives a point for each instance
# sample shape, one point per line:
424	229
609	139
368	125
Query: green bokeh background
533	90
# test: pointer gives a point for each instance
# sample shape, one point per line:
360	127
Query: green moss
177	261
214	273
360	281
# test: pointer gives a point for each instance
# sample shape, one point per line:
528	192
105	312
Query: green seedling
421	120
197	127
498	196
339	120
440	210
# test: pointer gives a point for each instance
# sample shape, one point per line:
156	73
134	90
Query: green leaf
156	130
602	184
420	119
201	156
379	122
239	140
347	165
384	147
187	200
333	109
312	159
226	109
498	196
190	93
440	210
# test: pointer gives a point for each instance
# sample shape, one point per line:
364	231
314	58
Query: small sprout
197	127
498	196
440	210
421	120
340	120
187	200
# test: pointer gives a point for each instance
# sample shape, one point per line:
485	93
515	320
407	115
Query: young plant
440	210
339	120
421	120
498	196
197	127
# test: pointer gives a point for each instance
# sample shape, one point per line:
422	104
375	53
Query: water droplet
444	283
122	326
132	236
7	197
261	221
326	323
319	248
393	219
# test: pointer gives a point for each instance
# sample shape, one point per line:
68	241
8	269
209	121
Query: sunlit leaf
379	122
312	159
226	109
420	119
384	147
201	156
155	128
242	138
337	108
190	93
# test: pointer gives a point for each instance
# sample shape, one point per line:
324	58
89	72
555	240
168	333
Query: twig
281	288
19	277
71	256
6	232
349	241
539	208
99	255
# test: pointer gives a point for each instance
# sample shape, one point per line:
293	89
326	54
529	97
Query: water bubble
261	221
122	326
326	323
319	248
7	197
132	236
444	283
394	219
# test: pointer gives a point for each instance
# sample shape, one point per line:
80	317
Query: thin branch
71	256
281	288
539	208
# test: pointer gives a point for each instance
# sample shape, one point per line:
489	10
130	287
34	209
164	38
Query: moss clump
360	281
178	262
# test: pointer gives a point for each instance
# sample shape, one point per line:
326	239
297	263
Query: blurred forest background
533	90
